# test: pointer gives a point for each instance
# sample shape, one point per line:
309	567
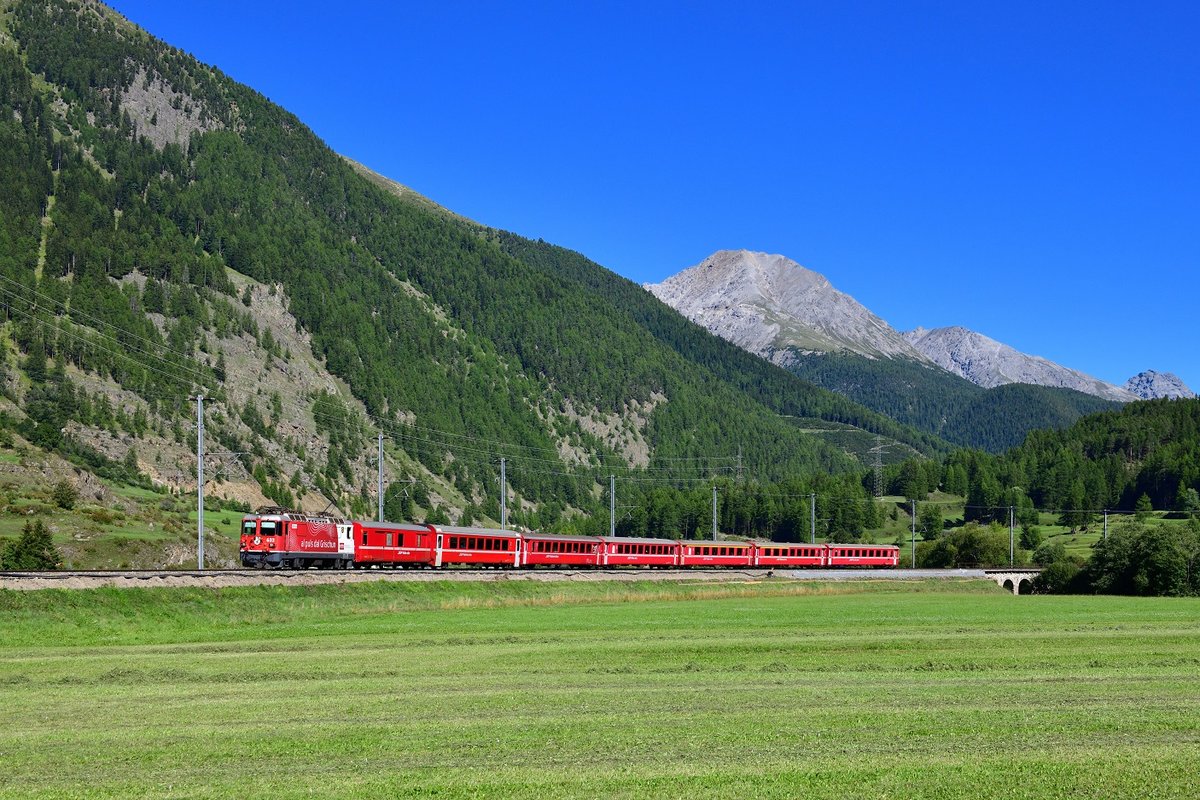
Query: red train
276	538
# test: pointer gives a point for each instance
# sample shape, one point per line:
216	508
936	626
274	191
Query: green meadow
514	689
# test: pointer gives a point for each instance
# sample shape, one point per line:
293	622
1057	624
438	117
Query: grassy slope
765	690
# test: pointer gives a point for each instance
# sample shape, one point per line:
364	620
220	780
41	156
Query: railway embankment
241	577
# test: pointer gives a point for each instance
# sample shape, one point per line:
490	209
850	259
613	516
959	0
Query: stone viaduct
1014	579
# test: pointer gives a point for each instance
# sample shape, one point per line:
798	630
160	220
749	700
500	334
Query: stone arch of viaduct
1017	581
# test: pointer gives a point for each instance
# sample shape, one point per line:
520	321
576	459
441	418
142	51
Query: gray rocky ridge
775	308
989	363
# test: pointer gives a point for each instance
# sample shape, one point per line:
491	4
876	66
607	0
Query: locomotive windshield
249	527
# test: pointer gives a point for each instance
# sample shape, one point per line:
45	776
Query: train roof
635	540
297	516
561	537
460	531
404	526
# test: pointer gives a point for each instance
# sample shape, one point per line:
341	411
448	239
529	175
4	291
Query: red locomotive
275	538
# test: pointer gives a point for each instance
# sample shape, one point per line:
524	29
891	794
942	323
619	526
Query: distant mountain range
952	382
775	308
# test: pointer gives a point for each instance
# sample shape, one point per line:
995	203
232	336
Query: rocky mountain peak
1151	385
772	306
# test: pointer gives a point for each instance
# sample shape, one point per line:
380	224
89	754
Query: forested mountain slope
1110	460
931	399
154	211
1143	456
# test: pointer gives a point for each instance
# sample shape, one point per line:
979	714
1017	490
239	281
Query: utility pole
1106	524
381	477
612	506
812	518
739	464
914	532
1010	536
200	481
503	498
714	513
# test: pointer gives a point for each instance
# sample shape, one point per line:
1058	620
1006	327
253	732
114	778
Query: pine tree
33	550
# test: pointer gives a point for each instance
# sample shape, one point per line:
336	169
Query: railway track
86	579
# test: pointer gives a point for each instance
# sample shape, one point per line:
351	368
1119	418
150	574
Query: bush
1031	537
1064	576
972	545
1049	553
64	494
1147	559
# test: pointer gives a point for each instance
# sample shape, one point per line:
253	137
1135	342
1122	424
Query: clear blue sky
1026	169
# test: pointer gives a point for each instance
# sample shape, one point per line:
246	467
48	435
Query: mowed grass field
514	689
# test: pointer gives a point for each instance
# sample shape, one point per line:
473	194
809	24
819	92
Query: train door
437	556
346	544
